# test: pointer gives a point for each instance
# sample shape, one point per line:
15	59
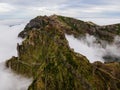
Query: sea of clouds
9	30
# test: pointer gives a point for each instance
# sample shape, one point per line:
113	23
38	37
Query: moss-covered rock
46	56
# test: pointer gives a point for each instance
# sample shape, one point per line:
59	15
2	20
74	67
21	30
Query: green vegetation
46	56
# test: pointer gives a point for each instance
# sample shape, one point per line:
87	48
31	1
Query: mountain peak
46	56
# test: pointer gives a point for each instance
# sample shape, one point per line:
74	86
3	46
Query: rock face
46	56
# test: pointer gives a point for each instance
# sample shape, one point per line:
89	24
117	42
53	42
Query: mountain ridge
46	56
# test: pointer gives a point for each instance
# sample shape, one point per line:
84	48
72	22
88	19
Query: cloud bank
11	81
88	47
8	41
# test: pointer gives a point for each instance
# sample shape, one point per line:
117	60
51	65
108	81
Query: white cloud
5	7
102	21
11	81
102	8
88	47
8	42
9	39
84	47
78	8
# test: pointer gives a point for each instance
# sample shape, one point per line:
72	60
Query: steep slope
46	56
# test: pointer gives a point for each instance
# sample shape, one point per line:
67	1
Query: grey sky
73	8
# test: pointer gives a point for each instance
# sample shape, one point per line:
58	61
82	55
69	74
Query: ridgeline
46	56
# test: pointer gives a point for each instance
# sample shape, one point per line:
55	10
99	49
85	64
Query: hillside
46	56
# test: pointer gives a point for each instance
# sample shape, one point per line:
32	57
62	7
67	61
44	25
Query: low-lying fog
88	47
8	41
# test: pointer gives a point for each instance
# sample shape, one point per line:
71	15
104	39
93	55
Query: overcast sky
74	8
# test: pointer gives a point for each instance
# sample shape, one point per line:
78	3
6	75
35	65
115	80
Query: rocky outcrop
46	56
72	26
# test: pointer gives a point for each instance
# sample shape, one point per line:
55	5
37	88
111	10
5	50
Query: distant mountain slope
46	56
